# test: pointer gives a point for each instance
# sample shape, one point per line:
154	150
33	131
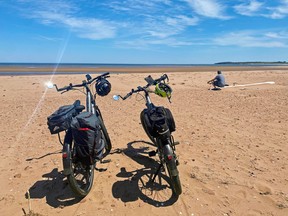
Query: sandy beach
233	144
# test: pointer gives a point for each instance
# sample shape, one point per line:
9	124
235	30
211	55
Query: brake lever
64	91
128	95
166	77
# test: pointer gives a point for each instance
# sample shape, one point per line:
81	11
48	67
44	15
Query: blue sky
143	31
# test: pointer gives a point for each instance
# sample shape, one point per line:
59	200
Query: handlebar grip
67	88
128	95
105	74
61	89
100	77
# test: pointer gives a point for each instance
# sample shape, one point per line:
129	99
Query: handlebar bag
60	120
88	141
170	120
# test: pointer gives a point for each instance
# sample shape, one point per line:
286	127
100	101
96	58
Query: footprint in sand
263	189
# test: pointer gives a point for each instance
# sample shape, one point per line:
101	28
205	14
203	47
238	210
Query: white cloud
208	8
249	8
155	22
62	13
257	8
182	20
164	27
90	28
278	12
155	18
42	37
147	43
277	35
250	39
138	6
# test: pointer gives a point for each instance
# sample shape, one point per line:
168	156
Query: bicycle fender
171	163
66	159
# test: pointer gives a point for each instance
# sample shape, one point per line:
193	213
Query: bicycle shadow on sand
137	184
55	189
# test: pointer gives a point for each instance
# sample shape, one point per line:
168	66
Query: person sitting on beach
217	82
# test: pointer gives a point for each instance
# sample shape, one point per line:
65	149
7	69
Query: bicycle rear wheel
81	179
79	175
171	165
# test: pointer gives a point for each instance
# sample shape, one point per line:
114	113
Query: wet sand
148	69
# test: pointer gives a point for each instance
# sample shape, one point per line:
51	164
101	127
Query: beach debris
250	84
30	213
17	175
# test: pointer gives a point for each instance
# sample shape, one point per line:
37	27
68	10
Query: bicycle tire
155	193
172	170
176	184
145	127
81	187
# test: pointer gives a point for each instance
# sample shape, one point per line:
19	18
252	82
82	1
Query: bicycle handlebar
84	82
150	82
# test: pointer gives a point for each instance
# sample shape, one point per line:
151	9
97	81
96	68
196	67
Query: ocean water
100	65
15	72
87	65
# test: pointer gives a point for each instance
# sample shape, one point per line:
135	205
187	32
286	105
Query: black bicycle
159	124
86	139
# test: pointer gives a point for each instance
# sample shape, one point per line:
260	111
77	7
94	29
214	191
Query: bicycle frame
90	101
66	152
165	147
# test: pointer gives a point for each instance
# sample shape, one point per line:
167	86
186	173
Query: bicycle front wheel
171	165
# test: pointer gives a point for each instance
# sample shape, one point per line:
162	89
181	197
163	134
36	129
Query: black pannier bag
60	120
158	117
88	141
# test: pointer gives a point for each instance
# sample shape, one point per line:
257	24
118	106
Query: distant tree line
254	62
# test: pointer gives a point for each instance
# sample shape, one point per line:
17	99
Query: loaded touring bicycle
158	123
86	141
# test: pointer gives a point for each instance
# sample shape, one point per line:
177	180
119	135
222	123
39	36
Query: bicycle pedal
101	169
105	161
152	153
176	143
